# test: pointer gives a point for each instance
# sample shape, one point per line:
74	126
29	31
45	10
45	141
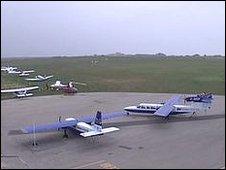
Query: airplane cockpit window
138	106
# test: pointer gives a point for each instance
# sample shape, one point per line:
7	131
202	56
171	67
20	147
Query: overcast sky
82	28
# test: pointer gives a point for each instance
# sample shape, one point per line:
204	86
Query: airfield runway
142	142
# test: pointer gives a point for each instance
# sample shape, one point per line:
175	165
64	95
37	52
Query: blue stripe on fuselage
153	111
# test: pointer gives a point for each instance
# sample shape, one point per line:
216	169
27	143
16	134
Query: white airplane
20	92
21	73
58	85
14	72
3	68
39	78
164	110
26	73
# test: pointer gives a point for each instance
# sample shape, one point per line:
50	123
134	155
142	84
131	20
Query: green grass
125	74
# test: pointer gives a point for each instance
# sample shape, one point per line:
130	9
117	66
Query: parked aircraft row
14	70
22	92
89	126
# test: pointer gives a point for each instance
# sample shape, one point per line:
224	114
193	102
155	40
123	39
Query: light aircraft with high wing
21	92
39	78
8	68
26	73
85	126
170	107
21	73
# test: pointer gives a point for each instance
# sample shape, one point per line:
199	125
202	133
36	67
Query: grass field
124	74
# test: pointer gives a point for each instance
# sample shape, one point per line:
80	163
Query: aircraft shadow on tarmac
53	140
159	120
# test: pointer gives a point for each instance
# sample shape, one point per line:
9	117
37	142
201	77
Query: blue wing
63	124
49	127
105	116
167	107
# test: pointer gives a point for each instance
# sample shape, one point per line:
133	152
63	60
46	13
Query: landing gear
127	113
165	119
65	134
193	115
34	144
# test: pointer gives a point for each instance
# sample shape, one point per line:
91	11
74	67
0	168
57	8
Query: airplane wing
18	90
95	133
32	79
60	125
44	128
105	116
49	77
28	71
167	107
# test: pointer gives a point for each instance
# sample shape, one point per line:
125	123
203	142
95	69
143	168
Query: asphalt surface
144	141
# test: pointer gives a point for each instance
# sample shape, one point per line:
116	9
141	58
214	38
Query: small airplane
4	68
21	73
21	92
58	85
39	78
205	98
26	73
69	88
14	72
163	109
84	126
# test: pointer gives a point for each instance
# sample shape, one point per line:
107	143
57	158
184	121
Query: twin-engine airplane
21	92
162	110
39	78
86	127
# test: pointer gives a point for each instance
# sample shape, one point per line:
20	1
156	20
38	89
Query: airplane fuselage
152	108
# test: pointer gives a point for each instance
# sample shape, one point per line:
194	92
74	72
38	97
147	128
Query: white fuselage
85	127
151	108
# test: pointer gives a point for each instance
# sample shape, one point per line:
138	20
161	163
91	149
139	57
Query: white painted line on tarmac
89	164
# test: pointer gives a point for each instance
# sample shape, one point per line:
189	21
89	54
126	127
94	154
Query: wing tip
17	132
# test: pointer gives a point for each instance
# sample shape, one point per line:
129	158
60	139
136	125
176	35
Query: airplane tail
97	122
98	119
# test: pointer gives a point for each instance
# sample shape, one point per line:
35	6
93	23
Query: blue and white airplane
163	110
204	98
86	126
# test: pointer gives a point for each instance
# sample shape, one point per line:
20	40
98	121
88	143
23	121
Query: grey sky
82	28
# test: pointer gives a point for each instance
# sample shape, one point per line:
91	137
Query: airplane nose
128	108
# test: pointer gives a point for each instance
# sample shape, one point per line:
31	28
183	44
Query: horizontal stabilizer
110	129
95	133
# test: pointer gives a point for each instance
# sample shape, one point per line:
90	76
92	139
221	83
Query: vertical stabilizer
98	119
